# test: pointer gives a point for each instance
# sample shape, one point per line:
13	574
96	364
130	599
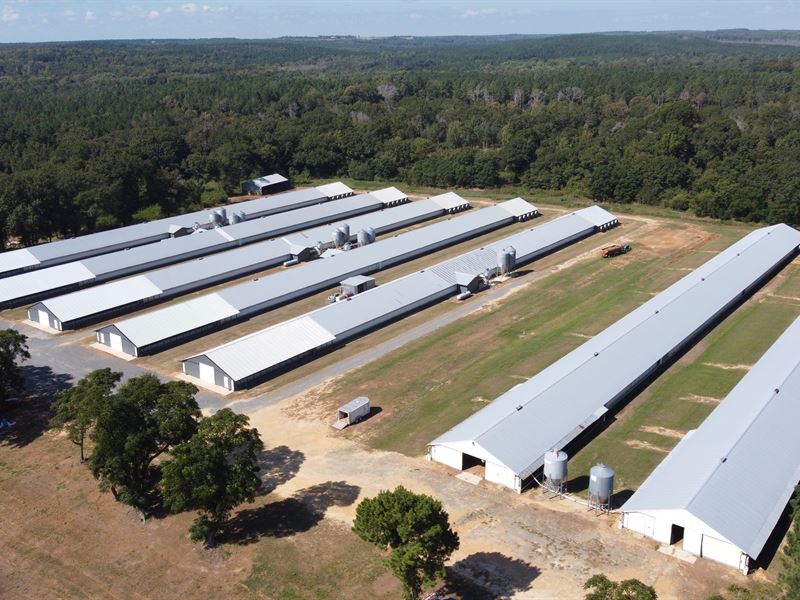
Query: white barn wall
503	475
447	456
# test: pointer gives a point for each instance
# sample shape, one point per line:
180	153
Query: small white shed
352	412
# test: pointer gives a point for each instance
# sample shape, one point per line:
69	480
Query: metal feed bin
601	487
507	259
555	471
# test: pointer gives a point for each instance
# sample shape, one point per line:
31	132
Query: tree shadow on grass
279	465
30	413
287	517
490	576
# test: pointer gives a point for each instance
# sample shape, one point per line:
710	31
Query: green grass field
681	398
459	368
432	384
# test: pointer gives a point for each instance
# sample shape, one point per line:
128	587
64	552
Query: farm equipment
615	250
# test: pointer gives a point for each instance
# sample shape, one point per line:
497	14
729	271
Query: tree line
98	135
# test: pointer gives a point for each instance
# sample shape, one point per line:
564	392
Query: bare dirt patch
639	444
729	367
701	399
662	431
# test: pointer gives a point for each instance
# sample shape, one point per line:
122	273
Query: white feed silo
601	487
555	471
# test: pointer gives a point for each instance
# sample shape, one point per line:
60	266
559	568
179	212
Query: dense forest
99	134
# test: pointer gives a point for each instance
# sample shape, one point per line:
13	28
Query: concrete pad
41	327
110	350
685	556
217	389
469	478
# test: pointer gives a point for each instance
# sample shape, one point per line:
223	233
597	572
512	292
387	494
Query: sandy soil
527	545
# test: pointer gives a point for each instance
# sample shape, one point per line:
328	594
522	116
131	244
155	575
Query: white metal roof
520	207
275	345
332	190
357	280
28	284
552	408
394	298
11	260
595	214
147	328
354	404
104	297
133	235
737	471
450	201
261	294
389	195
201	272
269	179
172	250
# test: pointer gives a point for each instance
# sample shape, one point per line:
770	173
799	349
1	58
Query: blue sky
49	20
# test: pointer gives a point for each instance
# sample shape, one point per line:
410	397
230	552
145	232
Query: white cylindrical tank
555	467
223	215
213	218
601	484
372	234
235	218
346	230
506	259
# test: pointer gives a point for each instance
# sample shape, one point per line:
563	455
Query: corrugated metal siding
67	250
259	295
172	250
370	309
214	268
192	314
592	377
737	471
26	285
270	346
74	306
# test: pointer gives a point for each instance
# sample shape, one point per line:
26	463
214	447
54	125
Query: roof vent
519	407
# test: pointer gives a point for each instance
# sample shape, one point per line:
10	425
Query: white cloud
416	16
189	8
153	15
89	16
8	14
168	10
480	12
69	14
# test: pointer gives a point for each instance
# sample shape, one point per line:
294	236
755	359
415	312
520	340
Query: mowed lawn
685	395
430	385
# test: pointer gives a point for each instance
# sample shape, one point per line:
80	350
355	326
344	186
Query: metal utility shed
59	279
352	412
355	285
725	485
550	410
160	329
67	250
266	184
252	358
